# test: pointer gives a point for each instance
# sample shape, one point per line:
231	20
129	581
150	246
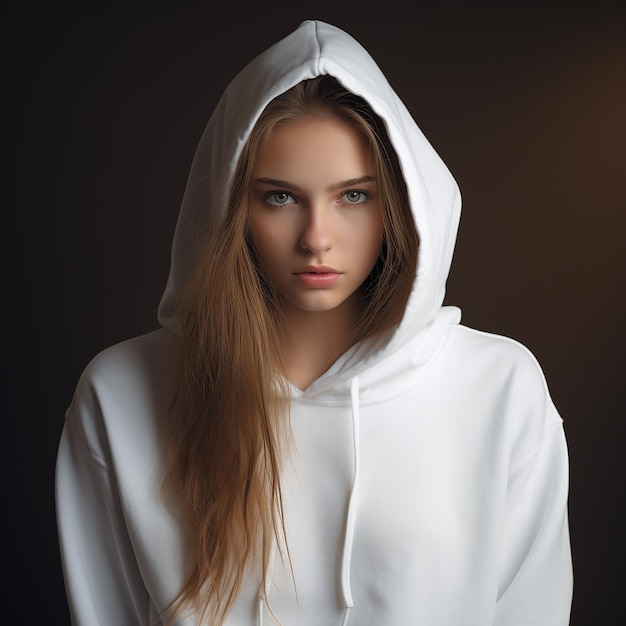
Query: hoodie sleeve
535	587
102	578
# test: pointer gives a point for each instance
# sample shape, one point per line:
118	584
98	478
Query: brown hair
229	426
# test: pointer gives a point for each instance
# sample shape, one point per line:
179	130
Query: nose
316	234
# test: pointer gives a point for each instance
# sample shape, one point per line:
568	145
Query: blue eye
354	196
279	198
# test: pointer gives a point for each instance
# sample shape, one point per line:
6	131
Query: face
315	219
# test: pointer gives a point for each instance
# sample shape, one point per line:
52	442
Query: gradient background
104	105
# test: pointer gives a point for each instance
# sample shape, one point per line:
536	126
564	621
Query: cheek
267	241
260	233
371	240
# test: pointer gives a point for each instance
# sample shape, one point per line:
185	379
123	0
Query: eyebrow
351	182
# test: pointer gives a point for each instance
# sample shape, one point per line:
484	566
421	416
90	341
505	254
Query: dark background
104	104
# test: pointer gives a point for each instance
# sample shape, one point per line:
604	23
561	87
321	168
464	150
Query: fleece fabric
429	478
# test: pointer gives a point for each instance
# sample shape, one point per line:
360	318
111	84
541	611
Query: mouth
318	276
318	269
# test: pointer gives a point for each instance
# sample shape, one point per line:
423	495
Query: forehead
315	147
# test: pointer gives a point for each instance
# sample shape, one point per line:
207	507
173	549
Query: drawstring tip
261	611
346	614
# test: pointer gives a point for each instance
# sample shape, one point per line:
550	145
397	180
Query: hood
316	48
378	367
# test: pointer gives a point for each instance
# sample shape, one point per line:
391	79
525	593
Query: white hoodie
429	480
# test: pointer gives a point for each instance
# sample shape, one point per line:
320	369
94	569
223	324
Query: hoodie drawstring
346	561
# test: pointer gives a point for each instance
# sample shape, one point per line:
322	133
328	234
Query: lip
318	275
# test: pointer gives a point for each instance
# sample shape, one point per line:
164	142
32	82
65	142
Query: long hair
229	425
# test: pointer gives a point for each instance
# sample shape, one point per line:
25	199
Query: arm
536	575
102	579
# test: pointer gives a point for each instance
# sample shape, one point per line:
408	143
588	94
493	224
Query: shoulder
125	392
141	357
500	357
491	345
502	376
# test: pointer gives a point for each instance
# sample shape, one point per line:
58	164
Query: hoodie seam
319	49
545	434
77	429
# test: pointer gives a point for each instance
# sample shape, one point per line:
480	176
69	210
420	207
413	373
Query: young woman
312	438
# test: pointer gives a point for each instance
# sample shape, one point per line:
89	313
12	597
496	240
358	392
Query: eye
279	198
354	196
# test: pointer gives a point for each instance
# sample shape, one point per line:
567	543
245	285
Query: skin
316	224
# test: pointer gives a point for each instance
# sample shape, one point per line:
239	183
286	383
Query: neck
314	340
